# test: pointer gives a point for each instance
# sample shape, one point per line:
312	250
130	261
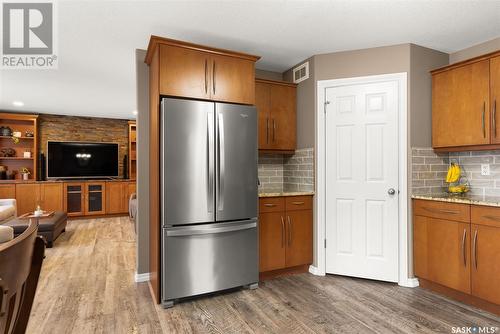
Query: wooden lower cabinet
299	237
95	198
117	196
456	251
442	252
52	196
272	241
285	236
7	191
27	197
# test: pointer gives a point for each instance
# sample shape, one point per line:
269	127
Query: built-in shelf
10	137
15	158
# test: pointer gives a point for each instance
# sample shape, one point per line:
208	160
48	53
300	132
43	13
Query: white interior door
362	180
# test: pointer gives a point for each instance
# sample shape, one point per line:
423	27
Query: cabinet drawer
271	204
485	215
298	203
442	210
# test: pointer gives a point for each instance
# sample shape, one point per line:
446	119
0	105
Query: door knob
391	191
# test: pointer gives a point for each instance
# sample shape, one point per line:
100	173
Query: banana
454	173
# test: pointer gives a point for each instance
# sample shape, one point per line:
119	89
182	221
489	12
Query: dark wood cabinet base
283	272
460	296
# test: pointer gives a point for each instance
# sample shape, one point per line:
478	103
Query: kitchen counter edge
287	194
470	199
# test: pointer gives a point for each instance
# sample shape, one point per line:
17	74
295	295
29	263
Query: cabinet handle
282	232
267	130
289	230
474	249
206	77
464	236
213	76
297	203
274	130
495	118
483	119
450	212
269	205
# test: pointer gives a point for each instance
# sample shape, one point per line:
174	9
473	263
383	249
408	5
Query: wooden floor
87	286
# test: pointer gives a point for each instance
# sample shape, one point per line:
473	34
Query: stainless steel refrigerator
208	197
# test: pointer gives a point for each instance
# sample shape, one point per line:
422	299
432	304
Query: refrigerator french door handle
211	229
220	129
210	161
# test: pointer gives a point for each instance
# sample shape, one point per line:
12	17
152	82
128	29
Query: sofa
8	211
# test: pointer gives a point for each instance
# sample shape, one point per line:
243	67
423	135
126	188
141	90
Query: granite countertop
287	193
465	199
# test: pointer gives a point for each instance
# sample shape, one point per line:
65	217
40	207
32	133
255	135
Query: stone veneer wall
279	172
71	128
429	170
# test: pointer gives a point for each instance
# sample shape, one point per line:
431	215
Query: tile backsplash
429	170
279	172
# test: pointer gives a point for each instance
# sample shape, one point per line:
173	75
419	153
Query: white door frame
320	198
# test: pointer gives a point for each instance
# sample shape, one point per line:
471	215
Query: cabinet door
448	253
27	197
95	198
115	200
495	99
420	247
299	238
263	105
460	106
52	196
184	72
272	241
74	199
233	79
283	117
486	262
7	191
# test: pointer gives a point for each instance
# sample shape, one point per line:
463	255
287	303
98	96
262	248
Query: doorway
361	168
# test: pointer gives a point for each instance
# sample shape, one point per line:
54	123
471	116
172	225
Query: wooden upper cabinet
495	98
184	72
461	106
233	79
200	72
263	105
276	104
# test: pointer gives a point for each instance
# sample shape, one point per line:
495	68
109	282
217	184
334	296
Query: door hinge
326	103
325	242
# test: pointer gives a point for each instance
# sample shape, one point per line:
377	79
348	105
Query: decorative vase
26	176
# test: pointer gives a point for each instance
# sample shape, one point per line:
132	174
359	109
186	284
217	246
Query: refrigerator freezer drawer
211	257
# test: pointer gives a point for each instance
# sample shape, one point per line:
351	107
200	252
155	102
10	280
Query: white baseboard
144	277
409	283
315	271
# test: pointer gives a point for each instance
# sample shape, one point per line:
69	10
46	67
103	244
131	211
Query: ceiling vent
301	72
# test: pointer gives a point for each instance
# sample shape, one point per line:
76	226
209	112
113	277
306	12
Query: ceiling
97	41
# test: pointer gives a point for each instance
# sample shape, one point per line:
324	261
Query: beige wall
422	61
476	50
269	75
142	220
306	92
413	59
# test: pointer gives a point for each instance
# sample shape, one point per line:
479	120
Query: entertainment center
83	169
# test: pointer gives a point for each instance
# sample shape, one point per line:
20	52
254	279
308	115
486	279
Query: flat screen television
81	160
